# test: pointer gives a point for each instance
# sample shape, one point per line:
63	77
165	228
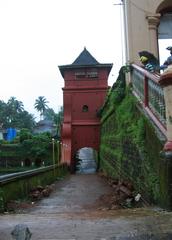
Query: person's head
144	59
170	49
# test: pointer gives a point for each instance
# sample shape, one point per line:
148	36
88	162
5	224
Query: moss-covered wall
20	187
130	148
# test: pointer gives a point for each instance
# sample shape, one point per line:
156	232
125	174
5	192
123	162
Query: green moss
108	169
131	149
115	96
20	188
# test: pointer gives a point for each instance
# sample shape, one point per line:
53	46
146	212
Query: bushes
38	148
29	149
24	134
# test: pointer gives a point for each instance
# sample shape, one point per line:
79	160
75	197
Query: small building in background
44	126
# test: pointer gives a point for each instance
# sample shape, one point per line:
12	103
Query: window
92	74
80	75
85	108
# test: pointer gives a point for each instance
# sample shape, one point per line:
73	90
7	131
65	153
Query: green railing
148	91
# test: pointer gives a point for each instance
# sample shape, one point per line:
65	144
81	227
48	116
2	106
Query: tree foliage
36	146
12	114
25	134
57	118
41	105
49	114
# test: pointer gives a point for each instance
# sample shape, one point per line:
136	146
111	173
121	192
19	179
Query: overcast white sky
38	35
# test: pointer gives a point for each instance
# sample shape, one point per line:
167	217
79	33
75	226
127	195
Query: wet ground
71	213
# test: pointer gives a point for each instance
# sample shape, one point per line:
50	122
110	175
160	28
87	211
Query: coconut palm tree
41	105
15	105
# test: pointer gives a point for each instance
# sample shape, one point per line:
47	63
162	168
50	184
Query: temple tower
85	88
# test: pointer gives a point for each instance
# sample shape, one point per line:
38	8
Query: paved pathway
67	215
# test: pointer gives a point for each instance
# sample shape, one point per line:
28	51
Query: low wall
18	185
130	149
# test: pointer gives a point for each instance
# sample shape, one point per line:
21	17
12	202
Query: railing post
146	97
166	82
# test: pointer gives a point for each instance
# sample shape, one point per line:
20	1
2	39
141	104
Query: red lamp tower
83	95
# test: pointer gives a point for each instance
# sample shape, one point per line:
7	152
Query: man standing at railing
148	66
169	59
149	61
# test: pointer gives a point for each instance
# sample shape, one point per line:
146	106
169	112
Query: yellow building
146	21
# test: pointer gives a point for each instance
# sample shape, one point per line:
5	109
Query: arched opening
86	160
165	29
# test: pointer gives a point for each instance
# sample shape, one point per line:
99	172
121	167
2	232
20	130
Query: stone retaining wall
130	149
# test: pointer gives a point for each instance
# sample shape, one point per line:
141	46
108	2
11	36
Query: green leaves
115	95
41	105
12	114
38	146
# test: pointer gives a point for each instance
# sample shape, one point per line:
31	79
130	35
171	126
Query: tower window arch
85	108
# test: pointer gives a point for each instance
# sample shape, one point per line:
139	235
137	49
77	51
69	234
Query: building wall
85	136
141	20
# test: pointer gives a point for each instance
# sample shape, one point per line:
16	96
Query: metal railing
19	175
147	89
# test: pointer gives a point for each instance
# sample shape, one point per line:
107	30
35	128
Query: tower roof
85	59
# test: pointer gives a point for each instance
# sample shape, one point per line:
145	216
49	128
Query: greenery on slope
130	148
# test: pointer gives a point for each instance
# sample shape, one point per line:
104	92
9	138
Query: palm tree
41	105
15	105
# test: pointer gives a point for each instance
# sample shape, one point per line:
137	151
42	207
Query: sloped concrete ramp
70	213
